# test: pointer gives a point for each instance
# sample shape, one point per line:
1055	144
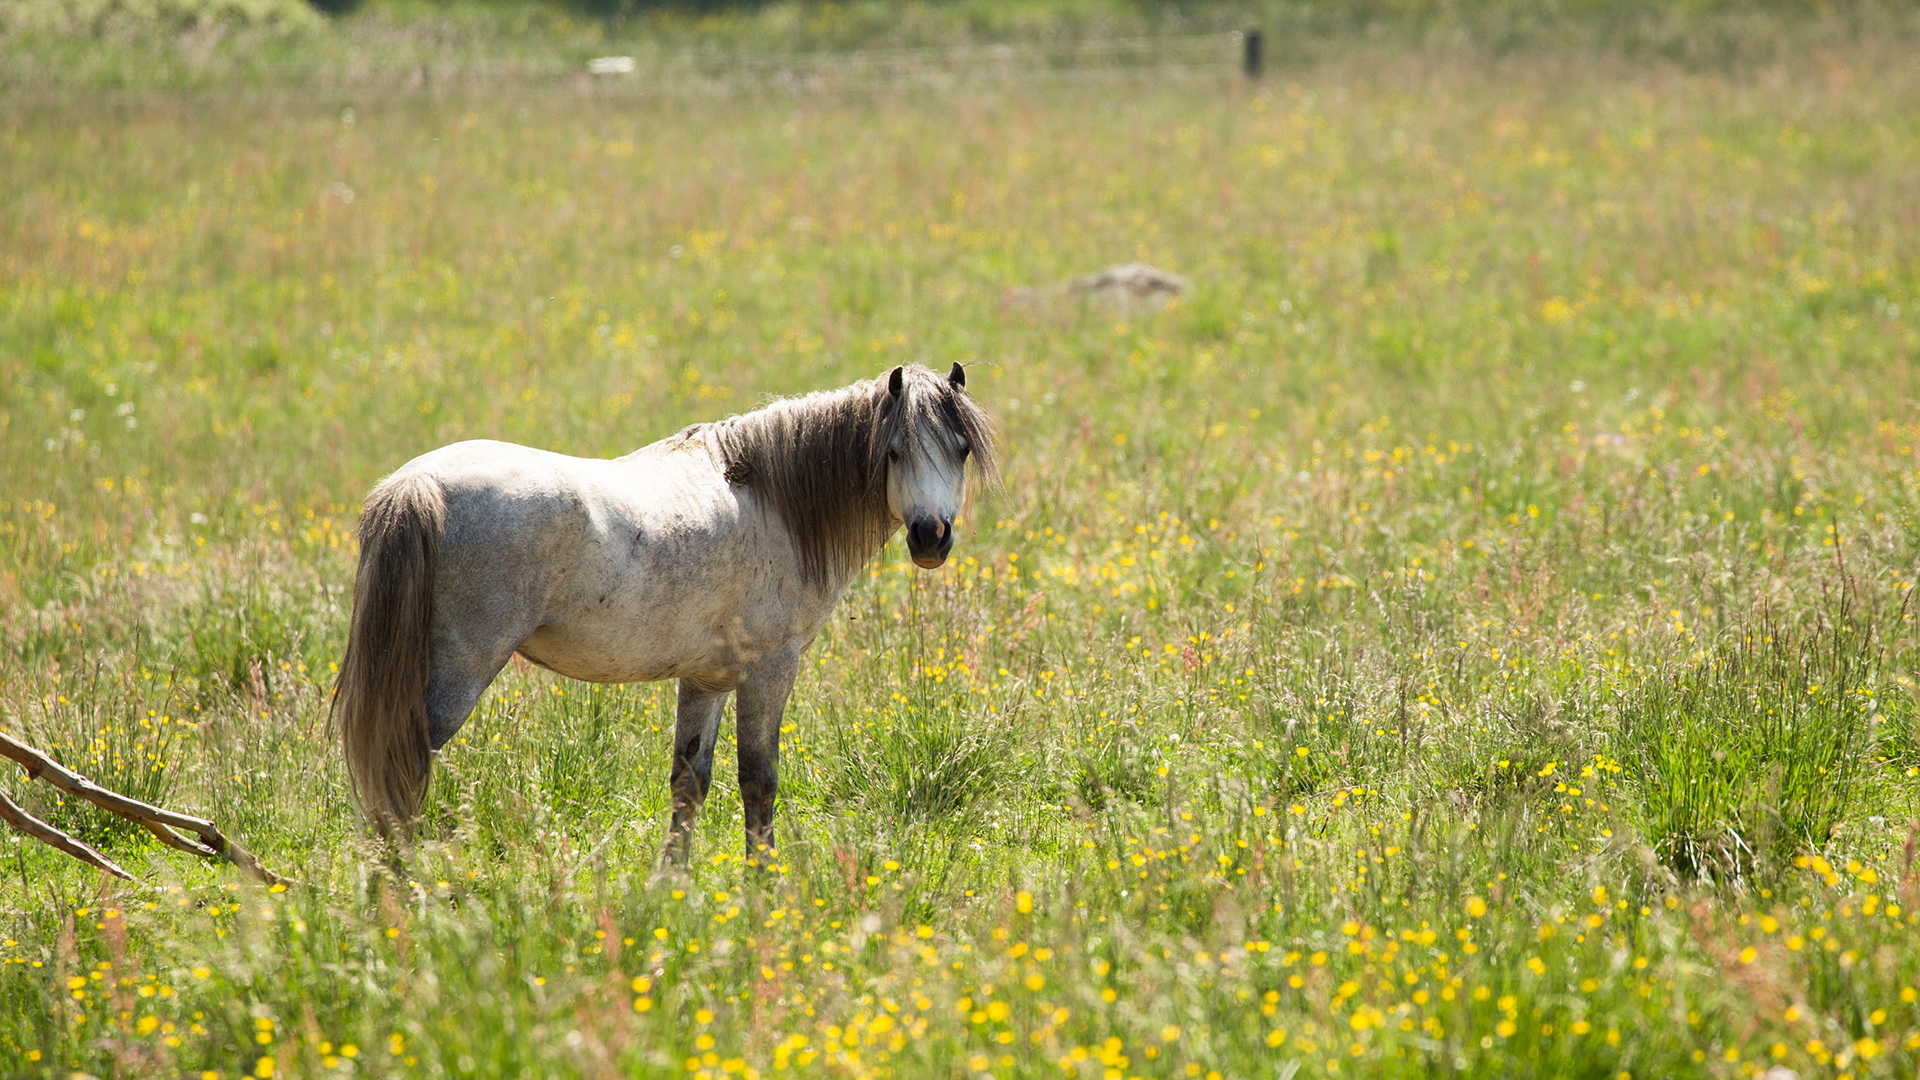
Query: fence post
1251	62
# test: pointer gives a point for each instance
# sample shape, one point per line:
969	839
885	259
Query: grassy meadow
1470	632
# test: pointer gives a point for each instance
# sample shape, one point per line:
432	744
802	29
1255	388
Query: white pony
712	557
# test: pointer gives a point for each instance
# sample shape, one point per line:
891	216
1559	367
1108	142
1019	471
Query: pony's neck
814	462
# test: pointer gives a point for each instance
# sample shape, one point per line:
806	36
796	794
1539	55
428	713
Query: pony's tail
380	699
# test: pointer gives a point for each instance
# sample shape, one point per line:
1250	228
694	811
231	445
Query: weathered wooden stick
12	814
212	843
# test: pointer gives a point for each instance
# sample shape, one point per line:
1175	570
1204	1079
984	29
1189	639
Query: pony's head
931	428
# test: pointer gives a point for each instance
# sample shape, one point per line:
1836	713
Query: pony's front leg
758	709
695	727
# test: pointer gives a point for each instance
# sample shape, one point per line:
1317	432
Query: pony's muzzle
929	539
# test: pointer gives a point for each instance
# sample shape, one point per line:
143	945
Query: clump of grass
1117	766
117	729
918	764
1757	752
237	636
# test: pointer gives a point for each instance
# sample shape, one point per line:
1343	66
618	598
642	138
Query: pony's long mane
821	460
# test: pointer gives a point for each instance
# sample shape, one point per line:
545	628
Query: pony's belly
596	658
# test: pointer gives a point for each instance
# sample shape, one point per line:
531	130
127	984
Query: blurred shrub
137	18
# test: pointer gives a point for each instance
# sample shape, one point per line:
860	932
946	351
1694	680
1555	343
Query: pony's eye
964	451
893	456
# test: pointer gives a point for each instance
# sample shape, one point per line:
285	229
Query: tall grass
1363	667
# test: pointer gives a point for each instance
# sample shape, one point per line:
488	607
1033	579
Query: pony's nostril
928	533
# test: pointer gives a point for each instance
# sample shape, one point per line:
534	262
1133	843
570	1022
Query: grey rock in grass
1128	288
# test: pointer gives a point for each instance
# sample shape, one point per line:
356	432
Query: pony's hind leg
695	727
459	675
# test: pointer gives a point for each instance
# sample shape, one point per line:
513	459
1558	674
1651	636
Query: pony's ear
958	376
896	381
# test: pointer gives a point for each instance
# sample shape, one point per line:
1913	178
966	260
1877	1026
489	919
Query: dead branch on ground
207	840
